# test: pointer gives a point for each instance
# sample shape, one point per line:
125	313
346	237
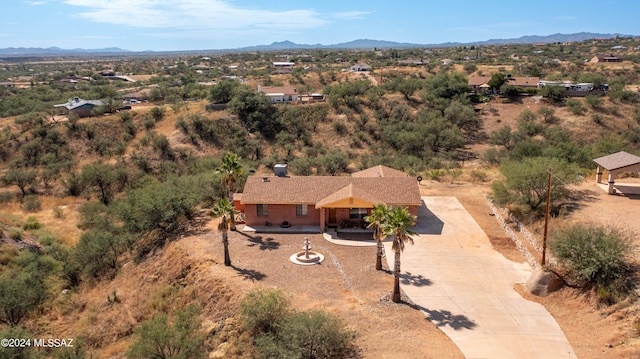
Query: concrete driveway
466	288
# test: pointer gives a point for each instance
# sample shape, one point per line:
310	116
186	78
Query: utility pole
546	219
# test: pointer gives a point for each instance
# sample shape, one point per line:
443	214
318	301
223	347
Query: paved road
466	288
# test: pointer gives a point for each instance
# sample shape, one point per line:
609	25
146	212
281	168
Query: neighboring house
326	201
80	107
478	83
7	84
360	67
605	58
283	67
482	82
279	94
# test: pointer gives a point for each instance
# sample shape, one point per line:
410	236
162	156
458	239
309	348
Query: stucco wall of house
279	213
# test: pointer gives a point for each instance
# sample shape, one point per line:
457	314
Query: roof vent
280	170
265	179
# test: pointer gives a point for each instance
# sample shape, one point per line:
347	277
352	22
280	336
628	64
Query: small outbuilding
616	164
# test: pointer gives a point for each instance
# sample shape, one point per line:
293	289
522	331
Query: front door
333	222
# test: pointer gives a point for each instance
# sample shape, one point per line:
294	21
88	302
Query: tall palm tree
376	219
397	224
224	209
230	171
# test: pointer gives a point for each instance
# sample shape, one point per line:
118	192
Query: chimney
259	88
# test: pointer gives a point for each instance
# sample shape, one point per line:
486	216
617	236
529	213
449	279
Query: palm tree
230	171
223	208
397	224
376	219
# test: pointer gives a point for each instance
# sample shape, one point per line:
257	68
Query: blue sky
169	25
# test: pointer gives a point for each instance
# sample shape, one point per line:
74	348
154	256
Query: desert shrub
157	113
162	205
595	254
6	197
21	292
597	118
309	335
97	252
595	102
280	332
182	338
264	310
478	176
340	127
149	122
74	185
31	224
575	106
15	234
15	352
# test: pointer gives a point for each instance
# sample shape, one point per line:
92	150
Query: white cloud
350	15
34	3
193	14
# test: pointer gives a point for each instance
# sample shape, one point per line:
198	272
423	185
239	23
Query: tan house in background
326	201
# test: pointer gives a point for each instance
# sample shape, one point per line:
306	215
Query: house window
263	209
357	213
302	210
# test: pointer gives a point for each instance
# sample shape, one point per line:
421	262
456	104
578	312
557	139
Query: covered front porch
345	212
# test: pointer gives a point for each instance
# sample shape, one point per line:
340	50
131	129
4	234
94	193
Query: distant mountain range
288	45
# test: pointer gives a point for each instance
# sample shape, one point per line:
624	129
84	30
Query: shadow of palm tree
446	318
264	244
250	274
443	318
414	280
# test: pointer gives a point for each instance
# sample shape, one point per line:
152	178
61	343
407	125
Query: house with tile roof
280	94
326	201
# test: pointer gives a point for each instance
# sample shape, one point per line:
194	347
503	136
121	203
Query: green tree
407	87
20	177
223	91
378	217
101	178
554	92
21	292
497	80
224	209
181	339
397	225
525	183
97	252
255	111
